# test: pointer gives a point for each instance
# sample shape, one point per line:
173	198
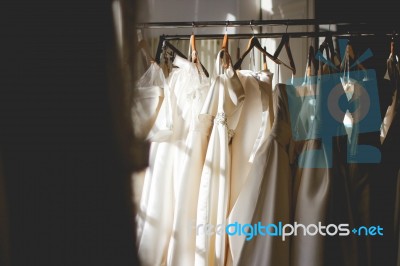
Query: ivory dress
188	89
252	128
224	103
267	192
182	242
257	115
148	96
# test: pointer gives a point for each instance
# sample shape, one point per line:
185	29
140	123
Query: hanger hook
251	27
193	26
226	26
329	28
287	26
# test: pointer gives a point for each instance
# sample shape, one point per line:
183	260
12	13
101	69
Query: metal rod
255	23
313	34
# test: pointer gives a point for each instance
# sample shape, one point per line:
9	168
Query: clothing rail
357	28
241	23
280	34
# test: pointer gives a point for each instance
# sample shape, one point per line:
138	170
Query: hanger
225	40
322	59
328	44
193	49
193	55
331	55
161	44
224	45
393	46
253	42
285	42
166	44
265	66
350	51
143	47
311	61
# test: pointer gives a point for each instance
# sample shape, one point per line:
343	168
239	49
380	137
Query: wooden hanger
311	61
265	66
224	47
193	47
253	42
328	44
393	47
326	61
332	59
285	42
144	48
225	42
165	43
350	51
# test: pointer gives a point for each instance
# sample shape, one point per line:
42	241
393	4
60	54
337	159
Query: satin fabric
258	88
181	247
253	127
186	95
268	191
224	103
148	96
147	100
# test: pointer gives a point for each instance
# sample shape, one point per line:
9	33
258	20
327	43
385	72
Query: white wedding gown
147	100
224	103
181	247
266	195
185	96
254	127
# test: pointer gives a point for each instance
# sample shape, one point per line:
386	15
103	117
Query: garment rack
361	28
241	23
315	34
352	29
